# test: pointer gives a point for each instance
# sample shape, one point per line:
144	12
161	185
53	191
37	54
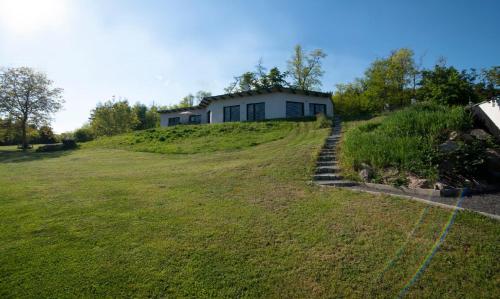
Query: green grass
106	222
405	140
199	138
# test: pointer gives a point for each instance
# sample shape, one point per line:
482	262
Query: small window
209	116
294	109
195	119
315	109
231	113
173	121
256	111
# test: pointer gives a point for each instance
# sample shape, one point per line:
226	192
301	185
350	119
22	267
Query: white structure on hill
252	105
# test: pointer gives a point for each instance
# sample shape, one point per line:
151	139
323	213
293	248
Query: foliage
258	80
27	96
113	117
147	117
11	133
190	100
447	86
388	82
305	68
83	134
405	140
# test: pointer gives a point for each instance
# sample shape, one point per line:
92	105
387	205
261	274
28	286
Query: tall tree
113	117
306	69
446	85
28	96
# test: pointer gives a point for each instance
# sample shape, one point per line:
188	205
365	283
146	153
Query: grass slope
406	140
199	138
104	222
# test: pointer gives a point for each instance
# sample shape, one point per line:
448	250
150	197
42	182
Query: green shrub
405	140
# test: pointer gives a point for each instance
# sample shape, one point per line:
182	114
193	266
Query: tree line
397	80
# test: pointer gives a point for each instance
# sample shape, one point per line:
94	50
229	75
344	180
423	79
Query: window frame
195	122
294	102
170	122
314	105
254	113
230	109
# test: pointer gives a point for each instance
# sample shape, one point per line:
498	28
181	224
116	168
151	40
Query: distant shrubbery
394	81
405	140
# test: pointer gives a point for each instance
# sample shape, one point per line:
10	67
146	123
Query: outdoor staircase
327	170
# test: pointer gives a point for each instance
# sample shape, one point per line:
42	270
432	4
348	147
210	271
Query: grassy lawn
227	221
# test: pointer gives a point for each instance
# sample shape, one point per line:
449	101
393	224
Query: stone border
450	192
426	201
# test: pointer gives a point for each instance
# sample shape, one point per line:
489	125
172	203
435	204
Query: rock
415	182
453	135
480	134
449	146
467	138
390	176
440	186
366	172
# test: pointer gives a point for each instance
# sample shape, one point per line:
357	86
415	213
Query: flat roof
207	100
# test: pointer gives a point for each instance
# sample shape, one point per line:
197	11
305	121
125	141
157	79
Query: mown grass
106	222
198	138
406	140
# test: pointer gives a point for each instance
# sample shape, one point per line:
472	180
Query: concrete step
326	163
326	157
337	183
327	177
327	152
328	169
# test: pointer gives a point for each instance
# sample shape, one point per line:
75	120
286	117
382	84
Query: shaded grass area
242	223
406	140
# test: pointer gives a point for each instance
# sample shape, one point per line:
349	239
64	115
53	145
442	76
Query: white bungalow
252	105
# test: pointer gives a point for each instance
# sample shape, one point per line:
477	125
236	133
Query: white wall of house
275	107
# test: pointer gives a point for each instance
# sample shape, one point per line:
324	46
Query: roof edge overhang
207	100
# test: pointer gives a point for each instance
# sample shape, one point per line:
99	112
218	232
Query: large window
232	113
315	109
294	109
173	121
195	119
256	111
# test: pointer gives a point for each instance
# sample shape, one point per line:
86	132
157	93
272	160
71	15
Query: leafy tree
305	68
202	94
46	135
152	117
275	78
258	79
388	80
113	117
140	111
488	86
27	96
84	133
446	85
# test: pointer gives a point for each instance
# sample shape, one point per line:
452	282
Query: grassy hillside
106	222
199	138
406	140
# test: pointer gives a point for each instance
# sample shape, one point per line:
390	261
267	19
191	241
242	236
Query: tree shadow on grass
19	156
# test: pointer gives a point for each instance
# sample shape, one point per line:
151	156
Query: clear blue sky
159	51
